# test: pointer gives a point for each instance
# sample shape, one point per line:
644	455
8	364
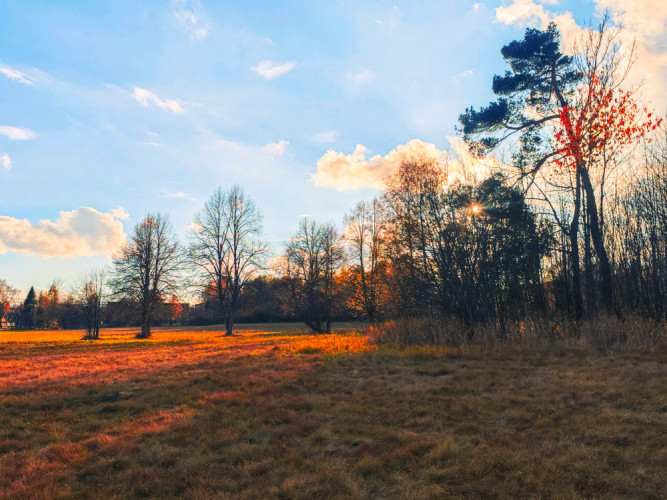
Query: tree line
572	226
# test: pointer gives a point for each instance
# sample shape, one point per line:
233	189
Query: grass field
278	413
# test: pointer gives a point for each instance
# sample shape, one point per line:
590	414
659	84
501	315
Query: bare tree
312	258
226	247
365	228
147	269
89	294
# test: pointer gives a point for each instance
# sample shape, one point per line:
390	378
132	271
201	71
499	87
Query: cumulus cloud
14	74
354	171
81	232
17	134
277	148
644	23
146	97
646	19
186	14
528	13
6	161
270	69
524	13
120	213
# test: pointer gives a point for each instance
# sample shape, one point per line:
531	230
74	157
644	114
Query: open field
277	413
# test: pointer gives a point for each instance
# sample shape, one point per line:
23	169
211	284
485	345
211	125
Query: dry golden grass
630	334
271	414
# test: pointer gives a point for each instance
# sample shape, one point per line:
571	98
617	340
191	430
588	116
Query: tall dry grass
633	334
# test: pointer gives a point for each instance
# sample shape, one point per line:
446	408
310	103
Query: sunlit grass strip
329	344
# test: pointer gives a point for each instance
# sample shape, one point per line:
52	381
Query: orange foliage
175	308
608	121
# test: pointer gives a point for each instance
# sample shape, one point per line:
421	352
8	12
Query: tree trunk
574	247
606	281
230	323
588	266
145	324
371	315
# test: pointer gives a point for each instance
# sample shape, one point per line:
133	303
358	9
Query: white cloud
527	13
354	171
326	137
17	134
6	161
523	13
145	97
464	74
185	12
179	195
644	22
360	77
270	69
277	148
477	6
120	213
647	19
81	232
14	74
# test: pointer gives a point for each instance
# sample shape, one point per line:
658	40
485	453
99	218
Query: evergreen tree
30	307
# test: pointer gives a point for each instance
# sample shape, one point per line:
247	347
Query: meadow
276	412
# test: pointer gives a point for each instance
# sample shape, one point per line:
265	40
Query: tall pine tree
30	307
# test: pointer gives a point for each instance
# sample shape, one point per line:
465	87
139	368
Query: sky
113	109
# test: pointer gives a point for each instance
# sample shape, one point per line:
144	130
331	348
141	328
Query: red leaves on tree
607	121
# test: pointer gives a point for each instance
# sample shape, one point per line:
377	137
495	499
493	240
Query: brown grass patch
631	334
270	415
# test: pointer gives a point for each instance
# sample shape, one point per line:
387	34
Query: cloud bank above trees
77	233
354	171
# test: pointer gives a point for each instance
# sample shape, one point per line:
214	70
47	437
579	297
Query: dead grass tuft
632	334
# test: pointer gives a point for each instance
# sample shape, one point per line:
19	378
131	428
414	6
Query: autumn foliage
608	121
175	308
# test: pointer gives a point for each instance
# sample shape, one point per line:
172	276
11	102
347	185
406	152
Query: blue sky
130	107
